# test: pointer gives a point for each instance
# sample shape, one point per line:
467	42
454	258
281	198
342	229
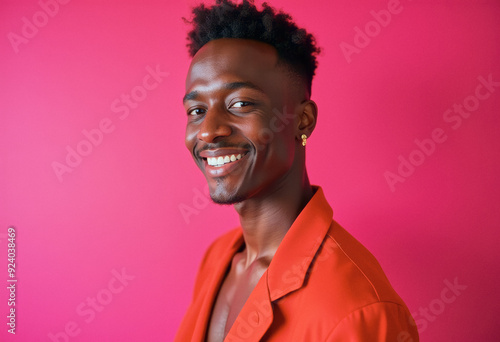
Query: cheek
284	145
279	149
285	150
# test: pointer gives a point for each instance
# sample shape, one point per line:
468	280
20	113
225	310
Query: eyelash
245	104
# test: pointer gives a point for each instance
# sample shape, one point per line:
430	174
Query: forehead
229	60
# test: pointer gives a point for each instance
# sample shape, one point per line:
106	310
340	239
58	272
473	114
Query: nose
215	125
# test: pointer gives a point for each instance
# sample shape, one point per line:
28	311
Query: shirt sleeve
378	322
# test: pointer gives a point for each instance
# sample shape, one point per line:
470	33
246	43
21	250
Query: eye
196	111
240	104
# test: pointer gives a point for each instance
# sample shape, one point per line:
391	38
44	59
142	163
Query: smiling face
243	119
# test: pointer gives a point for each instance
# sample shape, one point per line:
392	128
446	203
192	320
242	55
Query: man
289	273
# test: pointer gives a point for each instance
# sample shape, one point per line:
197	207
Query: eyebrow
229	86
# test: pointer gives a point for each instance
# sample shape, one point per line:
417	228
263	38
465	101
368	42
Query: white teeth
219	161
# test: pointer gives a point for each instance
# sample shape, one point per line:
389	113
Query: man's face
241	118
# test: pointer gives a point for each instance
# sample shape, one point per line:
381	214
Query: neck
266	219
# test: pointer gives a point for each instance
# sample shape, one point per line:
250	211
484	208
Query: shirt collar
288	268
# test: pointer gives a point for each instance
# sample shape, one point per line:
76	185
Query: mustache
222	144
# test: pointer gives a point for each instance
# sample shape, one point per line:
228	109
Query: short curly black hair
225	19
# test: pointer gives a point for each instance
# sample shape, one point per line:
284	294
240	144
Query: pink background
120	208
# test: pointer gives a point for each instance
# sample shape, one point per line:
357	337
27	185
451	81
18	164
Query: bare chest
235	290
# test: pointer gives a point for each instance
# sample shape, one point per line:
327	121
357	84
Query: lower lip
224	170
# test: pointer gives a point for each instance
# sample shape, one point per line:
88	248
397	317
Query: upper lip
219	152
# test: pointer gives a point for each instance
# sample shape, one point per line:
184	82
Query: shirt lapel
212	289
256	316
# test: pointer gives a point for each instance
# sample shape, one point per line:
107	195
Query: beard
221	195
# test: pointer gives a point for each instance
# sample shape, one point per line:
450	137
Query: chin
222	196
226	200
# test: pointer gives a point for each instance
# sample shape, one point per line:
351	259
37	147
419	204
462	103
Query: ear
307	118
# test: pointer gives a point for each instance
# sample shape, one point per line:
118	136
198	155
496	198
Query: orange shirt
321	285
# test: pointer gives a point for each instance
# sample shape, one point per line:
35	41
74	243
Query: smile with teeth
222	160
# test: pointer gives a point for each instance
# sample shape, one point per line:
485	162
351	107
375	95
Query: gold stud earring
304	139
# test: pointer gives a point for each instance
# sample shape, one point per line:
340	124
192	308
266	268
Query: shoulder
351	294
359	268
379	321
